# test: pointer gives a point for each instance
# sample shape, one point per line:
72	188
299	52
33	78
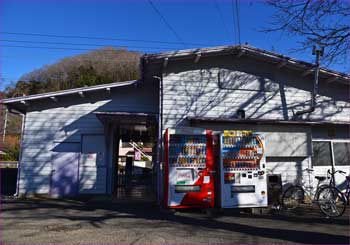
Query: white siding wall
93	172
291	169
264	92
66	121
280	141
192	90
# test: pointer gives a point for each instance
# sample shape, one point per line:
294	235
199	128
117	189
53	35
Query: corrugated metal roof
247	50
67	92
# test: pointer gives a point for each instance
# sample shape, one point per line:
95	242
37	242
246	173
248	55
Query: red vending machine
189	168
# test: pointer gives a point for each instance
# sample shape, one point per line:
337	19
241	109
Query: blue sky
197	22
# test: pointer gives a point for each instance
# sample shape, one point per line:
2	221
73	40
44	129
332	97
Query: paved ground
105	222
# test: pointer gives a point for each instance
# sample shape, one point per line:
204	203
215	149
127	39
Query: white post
5	125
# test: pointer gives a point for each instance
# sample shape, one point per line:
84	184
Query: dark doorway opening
134	162
8	178
131	145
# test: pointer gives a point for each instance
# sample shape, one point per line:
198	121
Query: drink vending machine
242	170
189	168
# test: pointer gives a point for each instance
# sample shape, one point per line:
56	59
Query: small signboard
93	159
137	156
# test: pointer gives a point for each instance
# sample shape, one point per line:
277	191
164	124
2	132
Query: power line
222	19
80	59
166	23
36	47
103	38
85	44
234	21
238	25
54	48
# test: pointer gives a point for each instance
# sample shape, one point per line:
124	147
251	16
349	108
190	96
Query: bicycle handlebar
337	171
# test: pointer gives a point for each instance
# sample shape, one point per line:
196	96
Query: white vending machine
242	170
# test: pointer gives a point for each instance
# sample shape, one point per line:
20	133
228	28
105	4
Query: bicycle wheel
331	201
292	197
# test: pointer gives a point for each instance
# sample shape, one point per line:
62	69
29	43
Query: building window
322	155
341	153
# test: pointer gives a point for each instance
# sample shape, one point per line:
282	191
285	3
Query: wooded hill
96	67
100	66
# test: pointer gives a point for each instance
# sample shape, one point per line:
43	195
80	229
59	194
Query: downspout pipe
20	147
159	149
318	53
160	136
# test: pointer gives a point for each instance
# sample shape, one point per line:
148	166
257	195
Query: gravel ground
107	222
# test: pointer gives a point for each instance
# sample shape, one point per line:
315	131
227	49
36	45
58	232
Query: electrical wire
166	23
238	23
103	38
234	22
107	59
53	48
85	44
222	19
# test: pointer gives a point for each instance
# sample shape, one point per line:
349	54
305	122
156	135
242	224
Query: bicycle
330	199
347	190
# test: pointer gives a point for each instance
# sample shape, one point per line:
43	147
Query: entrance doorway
131	146
135	156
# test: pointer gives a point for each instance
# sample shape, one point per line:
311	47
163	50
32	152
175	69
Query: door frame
51	164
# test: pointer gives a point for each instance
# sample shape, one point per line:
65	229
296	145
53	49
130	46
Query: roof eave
264	121
251	51
52	95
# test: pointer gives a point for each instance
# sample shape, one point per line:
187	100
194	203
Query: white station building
229	87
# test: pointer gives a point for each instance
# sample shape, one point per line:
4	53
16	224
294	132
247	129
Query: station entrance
131	139
134	162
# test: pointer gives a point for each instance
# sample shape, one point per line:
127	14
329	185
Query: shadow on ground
149	211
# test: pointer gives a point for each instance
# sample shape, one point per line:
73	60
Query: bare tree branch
323	22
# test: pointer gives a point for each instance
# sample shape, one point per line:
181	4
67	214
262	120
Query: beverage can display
241	158
240	149
185	149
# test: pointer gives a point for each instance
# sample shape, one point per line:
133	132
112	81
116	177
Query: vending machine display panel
189	165
242	170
